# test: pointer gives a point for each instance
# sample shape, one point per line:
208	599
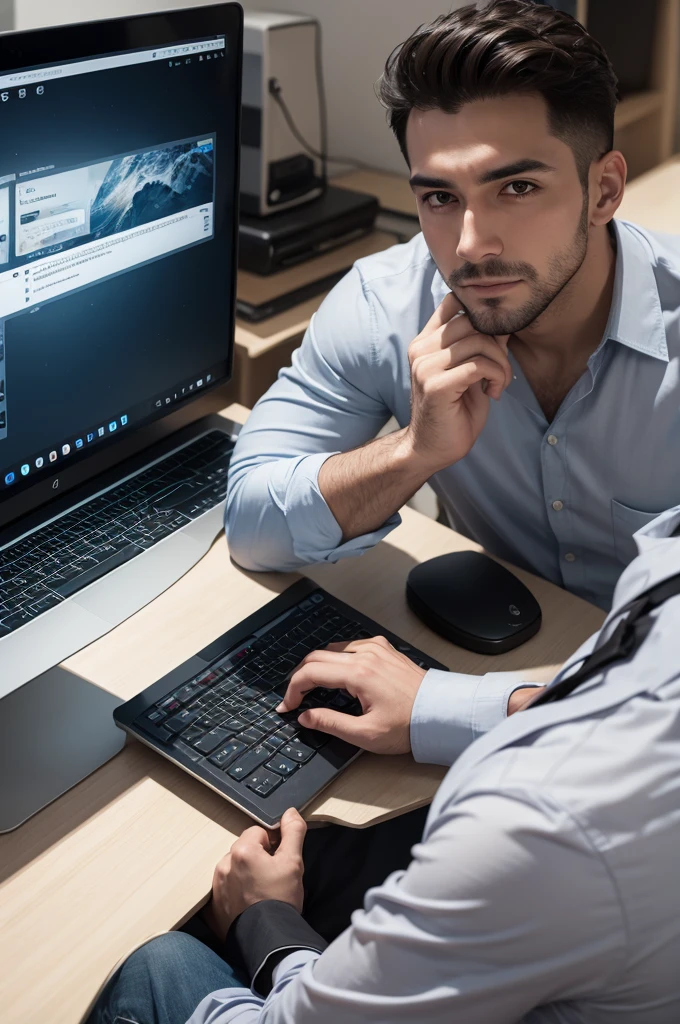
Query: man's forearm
364	487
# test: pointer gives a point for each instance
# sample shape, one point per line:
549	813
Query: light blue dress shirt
547	885
561	499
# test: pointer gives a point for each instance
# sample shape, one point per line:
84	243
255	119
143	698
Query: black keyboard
49	565
218	720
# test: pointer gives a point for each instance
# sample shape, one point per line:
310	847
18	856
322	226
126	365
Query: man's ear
607	181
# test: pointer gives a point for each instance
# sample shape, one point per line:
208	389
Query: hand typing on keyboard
383	680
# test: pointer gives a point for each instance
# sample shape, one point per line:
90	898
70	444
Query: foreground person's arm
504	908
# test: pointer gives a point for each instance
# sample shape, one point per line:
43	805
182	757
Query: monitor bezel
54	45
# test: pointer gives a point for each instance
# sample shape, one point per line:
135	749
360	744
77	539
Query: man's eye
518	188
438	199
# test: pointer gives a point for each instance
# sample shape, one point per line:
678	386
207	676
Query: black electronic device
268	244
474	602
215	715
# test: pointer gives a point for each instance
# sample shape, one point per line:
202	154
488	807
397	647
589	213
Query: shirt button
570	557
558	505
552	439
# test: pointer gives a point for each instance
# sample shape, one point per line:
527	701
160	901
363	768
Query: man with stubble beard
525	342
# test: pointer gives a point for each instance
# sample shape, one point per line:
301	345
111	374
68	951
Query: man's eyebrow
509	171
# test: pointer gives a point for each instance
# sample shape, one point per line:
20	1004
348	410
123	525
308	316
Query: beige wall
357	37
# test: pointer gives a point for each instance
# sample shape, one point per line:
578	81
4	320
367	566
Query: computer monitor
118	222
119	155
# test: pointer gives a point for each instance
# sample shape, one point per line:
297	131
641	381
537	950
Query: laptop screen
117	200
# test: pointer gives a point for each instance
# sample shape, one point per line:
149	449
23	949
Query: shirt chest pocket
625	522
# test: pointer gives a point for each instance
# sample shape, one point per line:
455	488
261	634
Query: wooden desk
130	851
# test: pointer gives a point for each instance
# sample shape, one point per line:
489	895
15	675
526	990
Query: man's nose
477	238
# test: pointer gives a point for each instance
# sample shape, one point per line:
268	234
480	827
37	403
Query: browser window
113	273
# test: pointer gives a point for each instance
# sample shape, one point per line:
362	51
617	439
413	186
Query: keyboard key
247	693
17	619
270	700
272	721
235	724
312	738
273	743
250	714
192	733
281	765
211	740
45	603
155	715
187	693
297	751
224	757
263	783
180	721
252	735
169	704
249	762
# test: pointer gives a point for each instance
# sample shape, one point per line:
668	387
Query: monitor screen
118	177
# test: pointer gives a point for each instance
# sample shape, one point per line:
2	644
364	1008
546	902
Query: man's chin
499	321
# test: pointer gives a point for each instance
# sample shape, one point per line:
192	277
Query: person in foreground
546	887
526	412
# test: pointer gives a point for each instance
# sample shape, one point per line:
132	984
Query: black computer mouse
473	601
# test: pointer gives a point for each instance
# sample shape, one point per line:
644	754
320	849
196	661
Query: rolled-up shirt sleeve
452	709
327	402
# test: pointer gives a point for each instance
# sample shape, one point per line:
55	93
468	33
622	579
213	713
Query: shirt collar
635	317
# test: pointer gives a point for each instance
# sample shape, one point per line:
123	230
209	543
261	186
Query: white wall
34	13
357	37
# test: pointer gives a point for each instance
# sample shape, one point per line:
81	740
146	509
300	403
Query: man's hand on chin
258	868
383	680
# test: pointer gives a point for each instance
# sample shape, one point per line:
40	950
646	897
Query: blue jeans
163	983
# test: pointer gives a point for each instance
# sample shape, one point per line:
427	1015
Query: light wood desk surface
130	851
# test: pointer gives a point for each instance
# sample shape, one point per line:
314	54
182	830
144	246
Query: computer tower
281	110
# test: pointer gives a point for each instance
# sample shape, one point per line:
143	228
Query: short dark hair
509	46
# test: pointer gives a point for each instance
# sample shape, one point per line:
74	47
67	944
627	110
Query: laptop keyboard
45	568
225	716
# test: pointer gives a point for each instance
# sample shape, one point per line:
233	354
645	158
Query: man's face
501	207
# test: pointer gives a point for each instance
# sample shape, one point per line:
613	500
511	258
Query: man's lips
490	287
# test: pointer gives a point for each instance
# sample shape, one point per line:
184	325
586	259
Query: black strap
624	641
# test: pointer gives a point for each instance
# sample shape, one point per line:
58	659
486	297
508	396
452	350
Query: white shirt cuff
452	709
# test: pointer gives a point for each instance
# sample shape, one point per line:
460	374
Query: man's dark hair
509	46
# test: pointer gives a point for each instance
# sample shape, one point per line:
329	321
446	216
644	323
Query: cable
276	92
